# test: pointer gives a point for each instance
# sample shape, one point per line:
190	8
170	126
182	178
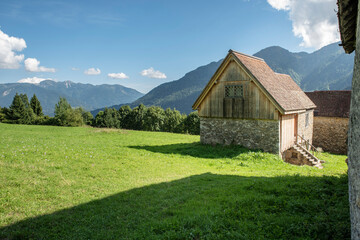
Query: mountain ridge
86	95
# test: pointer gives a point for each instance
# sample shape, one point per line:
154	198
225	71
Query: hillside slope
180	94
328	68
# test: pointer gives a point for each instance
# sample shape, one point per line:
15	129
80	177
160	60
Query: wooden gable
235	94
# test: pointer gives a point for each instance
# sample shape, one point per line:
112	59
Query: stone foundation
330	133
292	156
252	134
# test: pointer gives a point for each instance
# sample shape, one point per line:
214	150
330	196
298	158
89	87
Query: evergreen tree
28	117
61	107
25	100
36	106
17	109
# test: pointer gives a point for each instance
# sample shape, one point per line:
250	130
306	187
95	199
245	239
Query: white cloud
118	75
92	71
75	69
280	4
314	21
33	80
32	65
151	73
8	47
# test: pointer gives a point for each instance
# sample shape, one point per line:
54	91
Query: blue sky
141	44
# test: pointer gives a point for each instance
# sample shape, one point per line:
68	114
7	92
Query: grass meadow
88	183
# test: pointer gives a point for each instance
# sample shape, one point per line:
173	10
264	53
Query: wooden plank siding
287	131
253	105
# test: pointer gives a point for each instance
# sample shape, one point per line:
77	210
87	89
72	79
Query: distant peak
33	80
275	48
246	55
47	81
68	84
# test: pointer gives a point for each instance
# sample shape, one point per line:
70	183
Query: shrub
192	123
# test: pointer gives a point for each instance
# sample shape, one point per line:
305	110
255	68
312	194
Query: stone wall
252	134
292	156
306	130
330	133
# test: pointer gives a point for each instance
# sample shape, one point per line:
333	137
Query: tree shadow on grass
197	149
205	206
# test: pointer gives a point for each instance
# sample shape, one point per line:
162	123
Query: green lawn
85	183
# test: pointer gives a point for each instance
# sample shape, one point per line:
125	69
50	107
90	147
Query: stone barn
331	120
246	103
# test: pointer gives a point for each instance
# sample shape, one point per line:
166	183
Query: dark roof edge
347	20
232	51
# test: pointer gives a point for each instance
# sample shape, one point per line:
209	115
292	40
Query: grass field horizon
90	183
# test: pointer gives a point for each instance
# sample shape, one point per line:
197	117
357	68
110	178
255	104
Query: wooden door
287	131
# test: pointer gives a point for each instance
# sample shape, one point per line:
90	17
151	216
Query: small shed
246	103
331	120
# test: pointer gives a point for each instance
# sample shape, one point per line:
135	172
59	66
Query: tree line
148	119
23	111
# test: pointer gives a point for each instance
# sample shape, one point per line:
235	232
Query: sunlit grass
81	183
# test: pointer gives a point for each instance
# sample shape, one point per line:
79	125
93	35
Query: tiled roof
281	87
331	103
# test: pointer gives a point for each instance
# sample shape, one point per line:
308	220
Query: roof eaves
208	86
347	16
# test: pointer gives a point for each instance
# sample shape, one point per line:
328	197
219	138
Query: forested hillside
329	68
180	94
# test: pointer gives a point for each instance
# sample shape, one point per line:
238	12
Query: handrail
308	152
306	144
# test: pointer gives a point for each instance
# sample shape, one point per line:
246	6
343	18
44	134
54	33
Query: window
234	91
307	120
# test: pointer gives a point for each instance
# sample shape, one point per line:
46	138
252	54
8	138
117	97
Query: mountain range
88	96
328	68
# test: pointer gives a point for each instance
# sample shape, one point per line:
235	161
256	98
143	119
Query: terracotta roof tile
280	86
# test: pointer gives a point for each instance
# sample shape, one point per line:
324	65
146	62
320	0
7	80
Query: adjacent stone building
331	120
349	26
247	103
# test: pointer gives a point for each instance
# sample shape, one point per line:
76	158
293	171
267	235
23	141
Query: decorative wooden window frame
234	91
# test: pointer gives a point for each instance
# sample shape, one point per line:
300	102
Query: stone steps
311	159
